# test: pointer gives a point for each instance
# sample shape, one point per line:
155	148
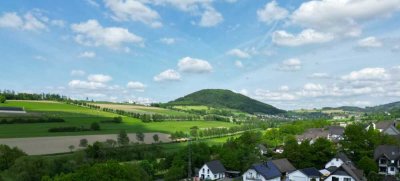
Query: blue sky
291	54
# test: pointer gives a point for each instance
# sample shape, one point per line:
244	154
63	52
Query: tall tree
123	138
156	138
140	136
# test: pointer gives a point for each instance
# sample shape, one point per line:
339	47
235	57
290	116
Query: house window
346	179
335	178
215	176
203	170
392	169
208	171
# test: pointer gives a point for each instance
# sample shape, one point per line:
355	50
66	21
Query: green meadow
81	116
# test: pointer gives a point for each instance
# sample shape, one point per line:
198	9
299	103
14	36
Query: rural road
60	144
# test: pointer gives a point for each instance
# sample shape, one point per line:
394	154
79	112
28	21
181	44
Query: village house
335	133
213	170
306	174
388	159
274	170
387	127
312	134
341	168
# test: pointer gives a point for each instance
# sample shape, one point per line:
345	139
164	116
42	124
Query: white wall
341	178
208	174
250	173
334	162
299	176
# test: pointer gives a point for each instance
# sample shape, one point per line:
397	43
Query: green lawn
80	116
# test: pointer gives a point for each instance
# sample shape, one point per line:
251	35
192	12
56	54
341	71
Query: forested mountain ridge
225	99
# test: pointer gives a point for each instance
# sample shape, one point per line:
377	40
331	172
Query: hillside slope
225	99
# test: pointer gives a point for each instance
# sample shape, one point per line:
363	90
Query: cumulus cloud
81	84
308	36
292	64
87	54
210	18
341	17
367	74
369	42
138	86
167	75
319	75
168	41
28	22
274	96
238	53
91	33
193	65
99	78
124	10
78	73
271	12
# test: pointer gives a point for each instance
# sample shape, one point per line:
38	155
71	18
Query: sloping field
60	144
139	109
80	116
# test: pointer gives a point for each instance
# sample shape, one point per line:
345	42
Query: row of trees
93	127
31	120
12	95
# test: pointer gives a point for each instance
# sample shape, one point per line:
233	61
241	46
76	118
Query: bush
114	120
95	126
68	129
83	142
31	120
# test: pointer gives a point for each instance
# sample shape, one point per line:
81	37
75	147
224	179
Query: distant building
335	133
306	174
263	150
338	161
213	170
312	134
341	168
388	159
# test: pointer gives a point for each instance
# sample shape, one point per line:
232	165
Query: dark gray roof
390	151
358	175
343	157
336	130
284	165
311	172
384	124
313	133
268	170
216	166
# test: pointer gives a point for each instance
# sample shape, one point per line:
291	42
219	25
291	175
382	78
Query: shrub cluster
31	120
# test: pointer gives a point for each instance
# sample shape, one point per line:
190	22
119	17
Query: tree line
12	95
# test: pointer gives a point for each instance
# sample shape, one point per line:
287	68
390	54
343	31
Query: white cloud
58	22
93	3
284	88
238	53
343	16
99	78
28	22
124	10
271	12
319	75
168	41
79	84
168	75
184	5
313	87
138	86
78	73
193	65
308	36
367	74
210	18
369	42
292	64
91	33
238	64
39	57
274	96
87	54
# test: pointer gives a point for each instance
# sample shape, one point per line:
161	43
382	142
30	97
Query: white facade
251	175
299	176
206	174
337	162
339	178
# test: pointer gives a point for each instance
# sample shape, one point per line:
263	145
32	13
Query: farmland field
80	116
139	109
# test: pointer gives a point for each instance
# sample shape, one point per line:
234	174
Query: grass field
140	109
80	116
